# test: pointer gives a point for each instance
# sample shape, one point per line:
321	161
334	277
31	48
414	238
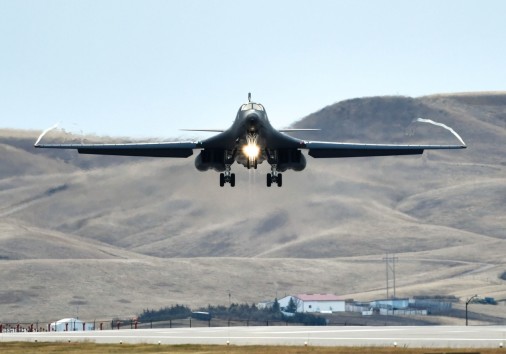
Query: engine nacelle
291	160
210	159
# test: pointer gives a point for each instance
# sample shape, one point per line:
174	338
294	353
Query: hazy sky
148	68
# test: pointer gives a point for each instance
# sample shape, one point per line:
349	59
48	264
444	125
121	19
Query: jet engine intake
290	159
210	159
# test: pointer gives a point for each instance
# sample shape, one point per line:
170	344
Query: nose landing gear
252	163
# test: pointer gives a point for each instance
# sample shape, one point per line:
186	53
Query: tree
292	306
275	306
166	313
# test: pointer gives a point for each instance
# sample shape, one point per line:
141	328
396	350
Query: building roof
66	320
391	300
318	297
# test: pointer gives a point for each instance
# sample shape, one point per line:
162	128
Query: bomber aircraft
250	141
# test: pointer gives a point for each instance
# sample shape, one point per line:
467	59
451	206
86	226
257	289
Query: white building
390	304
71	324
323	303
265	305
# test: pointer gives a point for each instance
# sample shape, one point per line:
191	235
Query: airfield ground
91	348
405	336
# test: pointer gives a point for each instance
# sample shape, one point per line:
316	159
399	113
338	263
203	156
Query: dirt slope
121	234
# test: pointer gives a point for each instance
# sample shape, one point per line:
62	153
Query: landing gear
274	177
227	177
252	163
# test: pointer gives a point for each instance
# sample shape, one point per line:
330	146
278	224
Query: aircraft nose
253	118
252	121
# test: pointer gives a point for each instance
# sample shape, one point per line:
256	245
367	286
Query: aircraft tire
232	180
222	179
269	180
280	179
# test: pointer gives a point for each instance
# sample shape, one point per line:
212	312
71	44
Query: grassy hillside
122	234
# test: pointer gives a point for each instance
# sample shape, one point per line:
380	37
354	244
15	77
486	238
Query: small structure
400	307
390	304
265	305
70	325
322	303
432	305
201	315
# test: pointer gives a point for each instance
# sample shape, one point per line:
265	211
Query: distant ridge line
467	94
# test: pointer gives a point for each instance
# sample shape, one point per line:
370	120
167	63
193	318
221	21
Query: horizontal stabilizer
289	130
204	130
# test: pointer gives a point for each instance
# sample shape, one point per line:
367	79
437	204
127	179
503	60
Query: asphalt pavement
413	337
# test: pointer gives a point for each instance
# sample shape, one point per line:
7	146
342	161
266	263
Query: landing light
251	150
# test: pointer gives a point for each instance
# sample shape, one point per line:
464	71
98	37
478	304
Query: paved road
421	336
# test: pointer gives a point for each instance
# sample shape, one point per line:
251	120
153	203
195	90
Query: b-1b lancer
250	141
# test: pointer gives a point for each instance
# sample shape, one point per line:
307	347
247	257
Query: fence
116	324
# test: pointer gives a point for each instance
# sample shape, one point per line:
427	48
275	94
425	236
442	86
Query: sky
145	69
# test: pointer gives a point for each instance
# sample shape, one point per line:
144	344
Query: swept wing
165	149
323	149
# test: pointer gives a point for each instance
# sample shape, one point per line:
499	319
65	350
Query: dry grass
23	347
119	235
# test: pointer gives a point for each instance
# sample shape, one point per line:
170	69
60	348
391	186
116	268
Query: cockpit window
249	106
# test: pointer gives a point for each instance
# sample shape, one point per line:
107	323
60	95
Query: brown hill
157	231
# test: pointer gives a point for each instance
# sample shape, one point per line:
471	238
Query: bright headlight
251	151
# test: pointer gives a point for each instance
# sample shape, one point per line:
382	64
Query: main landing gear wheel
274	179
230	178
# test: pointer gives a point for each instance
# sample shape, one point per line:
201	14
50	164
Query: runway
413	337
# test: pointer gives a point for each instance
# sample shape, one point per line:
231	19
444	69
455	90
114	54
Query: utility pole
390	268
393	270
386	270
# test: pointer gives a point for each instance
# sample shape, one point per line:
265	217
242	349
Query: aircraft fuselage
250	141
